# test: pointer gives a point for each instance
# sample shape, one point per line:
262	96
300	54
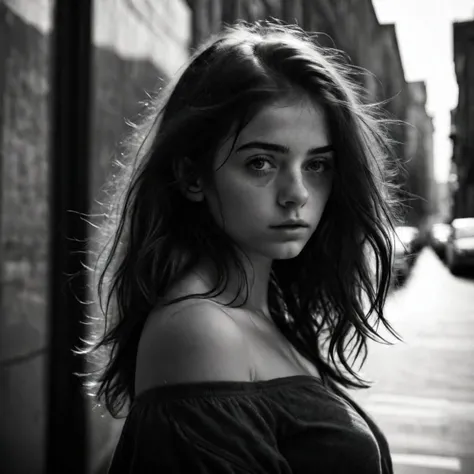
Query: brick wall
24	239
138	43
463	149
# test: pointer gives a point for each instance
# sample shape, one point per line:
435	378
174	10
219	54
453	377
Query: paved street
423	397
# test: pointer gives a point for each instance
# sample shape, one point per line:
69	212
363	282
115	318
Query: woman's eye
258	164
265	166
319	166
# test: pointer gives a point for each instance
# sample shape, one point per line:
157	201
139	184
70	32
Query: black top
287	425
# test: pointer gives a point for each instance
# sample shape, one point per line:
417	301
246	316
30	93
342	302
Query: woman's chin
278	251
287	251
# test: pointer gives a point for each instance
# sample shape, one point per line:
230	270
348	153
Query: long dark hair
326	300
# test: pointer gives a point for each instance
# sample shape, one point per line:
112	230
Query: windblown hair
328	299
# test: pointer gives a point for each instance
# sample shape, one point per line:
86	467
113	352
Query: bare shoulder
191	341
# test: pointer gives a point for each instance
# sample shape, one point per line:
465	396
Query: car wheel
453	266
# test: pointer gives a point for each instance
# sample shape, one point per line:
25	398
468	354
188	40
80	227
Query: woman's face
280	169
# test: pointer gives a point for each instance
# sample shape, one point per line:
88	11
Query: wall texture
463	124
419	151
24	62
138	45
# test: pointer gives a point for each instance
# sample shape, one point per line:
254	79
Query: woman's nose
293	191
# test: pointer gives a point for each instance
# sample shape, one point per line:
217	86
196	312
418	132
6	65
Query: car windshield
464	232
464	228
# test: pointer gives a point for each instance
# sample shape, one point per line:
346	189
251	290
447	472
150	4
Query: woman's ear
190	183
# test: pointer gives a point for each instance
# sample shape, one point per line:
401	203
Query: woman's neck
257	279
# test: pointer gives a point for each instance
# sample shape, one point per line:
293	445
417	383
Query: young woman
251	249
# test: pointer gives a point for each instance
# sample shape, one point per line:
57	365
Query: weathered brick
463	121
25	130
134	49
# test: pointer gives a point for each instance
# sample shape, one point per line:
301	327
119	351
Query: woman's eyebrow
281	148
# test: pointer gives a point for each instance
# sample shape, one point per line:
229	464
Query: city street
423	393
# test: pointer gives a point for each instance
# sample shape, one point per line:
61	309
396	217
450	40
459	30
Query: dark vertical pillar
288	11
307	15
230	11
199	22
70	96
215	15
273	9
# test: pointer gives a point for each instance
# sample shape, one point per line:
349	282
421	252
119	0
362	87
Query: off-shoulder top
287	425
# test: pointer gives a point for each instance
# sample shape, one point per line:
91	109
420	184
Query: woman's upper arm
197	343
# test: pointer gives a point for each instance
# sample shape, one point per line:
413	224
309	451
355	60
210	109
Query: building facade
419	156
462	122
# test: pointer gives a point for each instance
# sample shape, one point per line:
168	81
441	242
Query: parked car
410	240
460	245
439	235
405	249
401	264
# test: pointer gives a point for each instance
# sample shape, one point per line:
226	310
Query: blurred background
72	74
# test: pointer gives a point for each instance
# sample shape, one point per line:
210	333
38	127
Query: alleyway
423	397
